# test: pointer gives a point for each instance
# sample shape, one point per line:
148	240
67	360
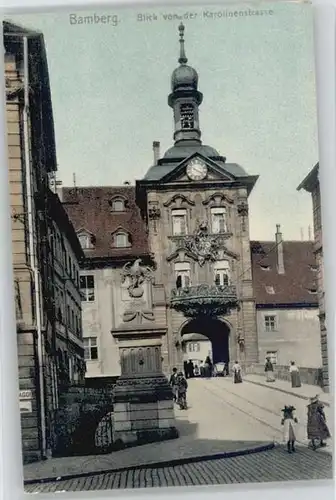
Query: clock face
197	170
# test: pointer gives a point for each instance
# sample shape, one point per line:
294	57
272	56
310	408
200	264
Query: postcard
167	246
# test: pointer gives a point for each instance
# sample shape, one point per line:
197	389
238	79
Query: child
289	421
182	386
173	384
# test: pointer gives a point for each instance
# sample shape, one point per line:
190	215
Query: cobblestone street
222	417
274	465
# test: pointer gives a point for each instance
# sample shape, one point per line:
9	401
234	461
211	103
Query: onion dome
184	76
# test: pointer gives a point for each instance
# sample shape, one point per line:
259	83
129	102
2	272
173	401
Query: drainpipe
32	254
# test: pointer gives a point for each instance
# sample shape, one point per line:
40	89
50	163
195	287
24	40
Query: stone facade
38	218
311	184
293	338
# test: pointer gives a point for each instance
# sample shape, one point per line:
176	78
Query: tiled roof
89	209
293	287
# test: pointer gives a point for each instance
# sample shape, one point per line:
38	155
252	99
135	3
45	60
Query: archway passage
216	331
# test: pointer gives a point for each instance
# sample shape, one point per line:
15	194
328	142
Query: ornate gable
212	171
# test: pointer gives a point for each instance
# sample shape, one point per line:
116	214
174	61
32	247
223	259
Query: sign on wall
25	398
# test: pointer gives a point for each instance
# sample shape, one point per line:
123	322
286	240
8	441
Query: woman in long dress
295	375
269	370
237	376
317	428
289	421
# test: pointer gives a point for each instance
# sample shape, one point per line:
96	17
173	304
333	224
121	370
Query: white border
11	475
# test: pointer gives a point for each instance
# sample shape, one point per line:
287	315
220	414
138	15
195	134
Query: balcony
204	300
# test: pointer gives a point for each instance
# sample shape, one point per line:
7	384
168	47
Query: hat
314	399
288	409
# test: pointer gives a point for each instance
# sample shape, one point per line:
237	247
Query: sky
110	82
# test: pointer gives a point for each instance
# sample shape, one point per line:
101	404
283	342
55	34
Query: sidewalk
304	392
207	429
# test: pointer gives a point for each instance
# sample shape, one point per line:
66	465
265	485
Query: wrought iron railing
204	299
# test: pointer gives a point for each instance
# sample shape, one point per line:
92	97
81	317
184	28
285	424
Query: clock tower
196	209
185	98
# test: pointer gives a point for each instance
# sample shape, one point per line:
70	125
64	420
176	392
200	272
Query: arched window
118	205
218	220
121	239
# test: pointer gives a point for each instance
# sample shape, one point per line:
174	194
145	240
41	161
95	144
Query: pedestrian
196	371
237	375
208	367
289	422
317	428
173	384
295	375
185	368
269	370
190	369
202	369
182	386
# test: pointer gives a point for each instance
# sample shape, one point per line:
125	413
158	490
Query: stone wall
80	412
311	376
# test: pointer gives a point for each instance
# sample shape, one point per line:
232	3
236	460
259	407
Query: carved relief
136	275
179	199
154	212
218	199
243	209
138	316
202	244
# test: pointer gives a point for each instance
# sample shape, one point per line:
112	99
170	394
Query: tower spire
183	58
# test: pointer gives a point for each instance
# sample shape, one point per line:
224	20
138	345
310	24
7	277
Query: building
112	233
196	348
284	279
190	226
311	184
42	235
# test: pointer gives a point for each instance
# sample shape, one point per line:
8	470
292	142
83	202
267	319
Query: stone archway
215	330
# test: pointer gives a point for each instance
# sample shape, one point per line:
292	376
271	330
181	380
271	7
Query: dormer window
86	240
313	291
270	290
118	205
265	267
187	116
121	239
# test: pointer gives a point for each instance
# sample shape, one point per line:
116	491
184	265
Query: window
270	323
270	290
218	220
85	241
179	222
187	116
90	348
121	240
222	273
273	356
118	205
194	347
182	274
265	267
87	288
312	290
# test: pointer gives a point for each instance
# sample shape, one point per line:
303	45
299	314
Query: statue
136	274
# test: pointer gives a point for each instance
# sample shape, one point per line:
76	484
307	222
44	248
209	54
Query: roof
89	209
291	288
39	84
310	181
61	218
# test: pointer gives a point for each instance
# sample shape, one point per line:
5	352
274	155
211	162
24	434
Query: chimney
156	151
301	232
309	233
279	250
